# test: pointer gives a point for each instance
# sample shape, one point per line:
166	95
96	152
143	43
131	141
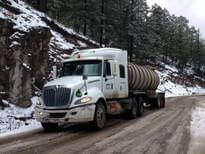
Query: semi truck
95	83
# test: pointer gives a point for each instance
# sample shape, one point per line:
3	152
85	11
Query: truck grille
56	96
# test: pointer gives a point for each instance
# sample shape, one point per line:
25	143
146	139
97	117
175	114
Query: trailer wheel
158	102
153	102
50	127
140	106
100	116
132	113
163	102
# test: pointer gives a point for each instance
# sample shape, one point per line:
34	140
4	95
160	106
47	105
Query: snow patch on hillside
2	15
27	19
60	41
172	89
30	18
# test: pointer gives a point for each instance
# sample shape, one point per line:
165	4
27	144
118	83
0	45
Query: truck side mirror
59	70
85	77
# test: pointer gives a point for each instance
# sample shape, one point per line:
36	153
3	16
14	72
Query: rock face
23	57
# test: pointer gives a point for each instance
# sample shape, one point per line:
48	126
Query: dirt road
158	131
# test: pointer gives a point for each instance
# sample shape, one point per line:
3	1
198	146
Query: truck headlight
84	100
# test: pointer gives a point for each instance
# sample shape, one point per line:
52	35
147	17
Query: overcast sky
193	10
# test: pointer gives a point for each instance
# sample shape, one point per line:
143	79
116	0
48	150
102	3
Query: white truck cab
88	77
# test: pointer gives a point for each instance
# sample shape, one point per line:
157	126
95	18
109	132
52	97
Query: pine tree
147	34
137	29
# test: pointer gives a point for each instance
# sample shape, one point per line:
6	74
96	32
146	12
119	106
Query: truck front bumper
74	115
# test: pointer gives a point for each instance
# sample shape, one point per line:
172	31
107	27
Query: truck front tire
50	127
100	116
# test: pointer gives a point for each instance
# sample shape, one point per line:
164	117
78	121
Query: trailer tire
163	102
132	113
153	102
140	106
50	127
158	102
100	116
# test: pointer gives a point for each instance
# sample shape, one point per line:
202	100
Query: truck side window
108	69
122	71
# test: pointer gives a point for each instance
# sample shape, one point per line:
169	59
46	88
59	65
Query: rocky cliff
30	43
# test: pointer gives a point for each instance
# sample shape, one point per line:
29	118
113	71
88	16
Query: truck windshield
89	68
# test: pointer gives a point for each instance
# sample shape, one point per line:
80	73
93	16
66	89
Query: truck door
122	82
108	80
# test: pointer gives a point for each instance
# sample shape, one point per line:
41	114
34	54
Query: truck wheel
140	107
50	127
100	116
132	114
158	102
154	103
163	102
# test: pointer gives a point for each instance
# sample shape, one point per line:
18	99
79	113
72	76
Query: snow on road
198	129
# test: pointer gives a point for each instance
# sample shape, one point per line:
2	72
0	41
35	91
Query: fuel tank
142	78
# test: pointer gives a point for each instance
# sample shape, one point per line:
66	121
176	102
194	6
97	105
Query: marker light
78	55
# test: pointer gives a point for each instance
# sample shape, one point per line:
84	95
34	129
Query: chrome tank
142	78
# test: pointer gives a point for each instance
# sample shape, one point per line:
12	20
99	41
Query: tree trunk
131	48
85	19
102	22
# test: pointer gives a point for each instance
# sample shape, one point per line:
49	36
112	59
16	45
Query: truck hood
70	81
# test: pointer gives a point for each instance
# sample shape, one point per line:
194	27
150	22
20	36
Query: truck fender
97	96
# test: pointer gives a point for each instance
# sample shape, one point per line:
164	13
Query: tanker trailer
142	78
142	84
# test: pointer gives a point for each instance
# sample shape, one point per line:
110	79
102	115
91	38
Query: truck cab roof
99	53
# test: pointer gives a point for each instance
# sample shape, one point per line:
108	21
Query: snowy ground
16	120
